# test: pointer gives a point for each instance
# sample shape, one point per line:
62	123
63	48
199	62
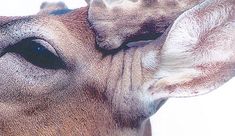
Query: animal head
54	80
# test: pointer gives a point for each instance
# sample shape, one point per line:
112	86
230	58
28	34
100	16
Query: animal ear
43	5
96	3
47	7
88	2
199	53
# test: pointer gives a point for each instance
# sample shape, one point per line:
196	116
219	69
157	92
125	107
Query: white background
209	115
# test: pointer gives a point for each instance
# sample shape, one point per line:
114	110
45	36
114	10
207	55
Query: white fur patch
149	61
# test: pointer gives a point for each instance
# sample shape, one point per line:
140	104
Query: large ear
199	53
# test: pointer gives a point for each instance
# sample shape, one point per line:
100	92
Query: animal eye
35	52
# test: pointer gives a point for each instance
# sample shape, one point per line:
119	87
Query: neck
68	118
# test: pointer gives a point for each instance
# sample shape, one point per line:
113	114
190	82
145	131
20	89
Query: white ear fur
199	54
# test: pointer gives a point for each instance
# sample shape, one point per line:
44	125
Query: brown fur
67	101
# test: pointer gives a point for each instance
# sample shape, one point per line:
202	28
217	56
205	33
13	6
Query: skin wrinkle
125	83
108	79
131	74
136	70
117	83
142	71
125	91
109	85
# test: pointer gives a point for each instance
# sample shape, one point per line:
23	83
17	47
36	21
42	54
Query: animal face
54	80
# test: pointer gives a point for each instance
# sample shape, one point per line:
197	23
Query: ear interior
198	55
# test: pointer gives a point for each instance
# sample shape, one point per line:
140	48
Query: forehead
52	23
68	33
31	7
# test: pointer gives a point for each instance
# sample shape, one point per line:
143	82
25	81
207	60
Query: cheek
19	77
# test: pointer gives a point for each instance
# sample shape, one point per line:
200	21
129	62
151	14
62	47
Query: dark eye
35	52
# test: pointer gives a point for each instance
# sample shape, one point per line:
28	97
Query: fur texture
117	21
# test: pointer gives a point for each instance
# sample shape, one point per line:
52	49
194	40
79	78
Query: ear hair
198	55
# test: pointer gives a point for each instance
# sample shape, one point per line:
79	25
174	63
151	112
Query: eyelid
46	45
41	41
37	52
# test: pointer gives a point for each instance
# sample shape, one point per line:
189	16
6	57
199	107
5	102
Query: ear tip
88	1
43	5
50	6
62	4
97	3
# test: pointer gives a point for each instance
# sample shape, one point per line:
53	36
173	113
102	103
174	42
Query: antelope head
55	81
